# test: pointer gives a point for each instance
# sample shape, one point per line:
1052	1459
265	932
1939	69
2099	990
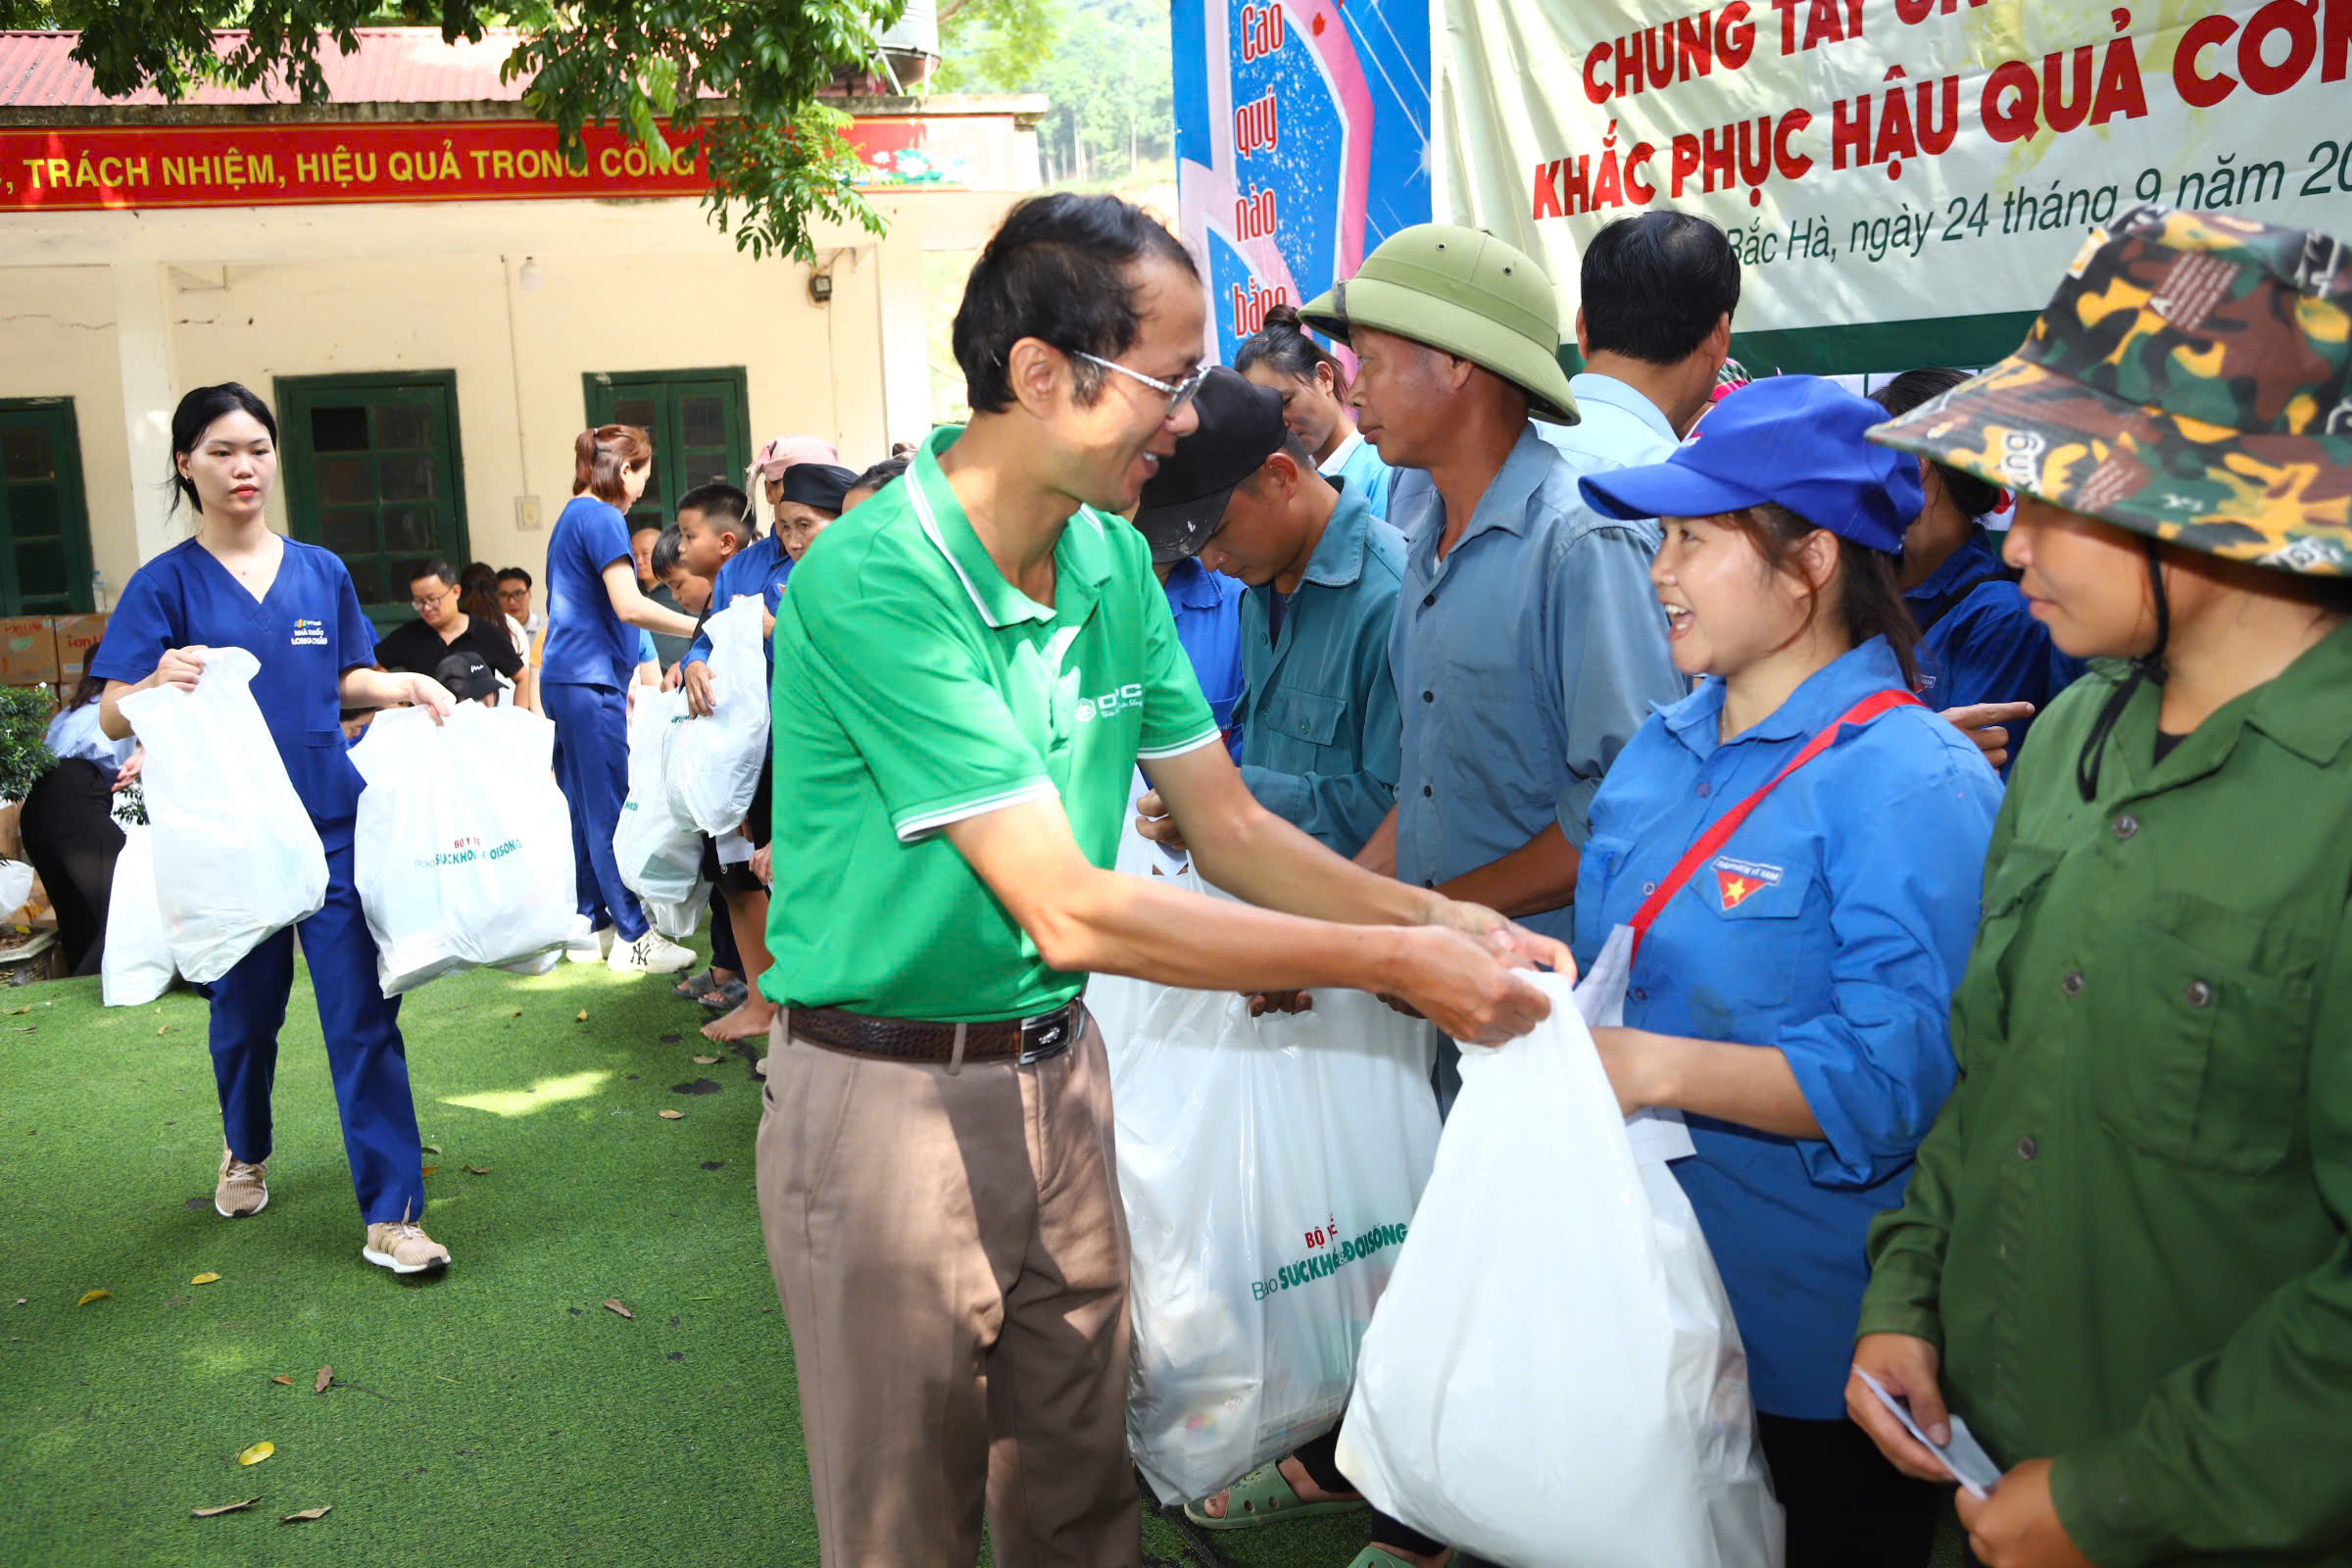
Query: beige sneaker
404	1248
243	1188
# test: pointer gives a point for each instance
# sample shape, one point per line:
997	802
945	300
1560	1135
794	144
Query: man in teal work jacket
1318	722
972	665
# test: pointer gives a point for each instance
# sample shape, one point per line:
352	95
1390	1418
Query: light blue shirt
1319	725
1357	461
1529	656
1834	925
75	733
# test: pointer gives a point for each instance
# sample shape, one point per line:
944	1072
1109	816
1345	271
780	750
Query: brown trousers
953	1259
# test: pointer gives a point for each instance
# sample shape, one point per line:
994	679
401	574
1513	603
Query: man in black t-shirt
442	628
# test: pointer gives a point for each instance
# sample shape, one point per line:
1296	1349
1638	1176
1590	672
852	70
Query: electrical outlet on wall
526	514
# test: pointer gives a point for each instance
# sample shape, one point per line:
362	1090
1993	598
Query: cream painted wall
58	339
124	311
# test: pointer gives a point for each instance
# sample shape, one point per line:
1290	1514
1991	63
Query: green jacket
2128	1229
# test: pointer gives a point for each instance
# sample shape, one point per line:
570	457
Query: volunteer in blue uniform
1314	384
292	605
595	611
1977	639
1799	843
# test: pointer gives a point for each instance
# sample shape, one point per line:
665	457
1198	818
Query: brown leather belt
1020	1041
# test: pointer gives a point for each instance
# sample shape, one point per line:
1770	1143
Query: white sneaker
586	944
650	954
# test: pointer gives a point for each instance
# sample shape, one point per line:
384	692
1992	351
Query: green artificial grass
495	1414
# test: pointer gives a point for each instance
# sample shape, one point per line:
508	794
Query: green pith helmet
2187	381
1467	293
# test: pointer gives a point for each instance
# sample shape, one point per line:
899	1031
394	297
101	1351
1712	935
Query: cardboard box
27	651
77	640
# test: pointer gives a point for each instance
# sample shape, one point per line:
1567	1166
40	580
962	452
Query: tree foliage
1108	70
745	74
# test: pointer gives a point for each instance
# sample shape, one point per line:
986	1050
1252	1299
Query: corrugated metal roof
391	66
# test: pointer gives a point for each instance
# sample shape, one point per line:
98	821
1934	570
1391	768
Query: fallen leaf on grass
227	1507
673	1116
326	1375
256	1453
19	1012
706	1061
581	1016
477	1170
429	1169
429	1148
307	1514
283	1378
207	1277
517	1013
22	1299
104	1296
615	1306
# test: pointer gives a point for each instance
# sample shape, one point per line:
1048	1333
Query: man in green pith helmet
2125	1256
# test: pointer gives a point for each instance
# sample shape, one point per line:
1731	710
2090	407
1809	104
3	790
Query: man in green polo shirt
969	668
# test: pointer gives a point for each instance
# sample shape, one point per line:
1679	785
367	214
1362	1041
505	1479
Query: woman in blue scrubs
1799	845
594	611
236	584
1314	384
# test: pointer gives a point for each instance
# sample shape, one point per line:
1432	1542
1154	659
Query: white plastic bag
135	966
714	762
236	857
659	849
1554	1376
16	886
463	853
1269	1168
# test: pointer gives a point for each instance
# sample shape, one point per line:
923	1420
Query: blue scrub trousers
363	1047
592	768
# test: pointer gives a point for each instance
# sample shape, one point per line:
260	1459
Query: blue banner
1301	142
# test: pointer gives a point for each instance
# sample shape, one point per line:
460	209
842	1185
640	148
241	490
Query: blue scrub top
587	643
1987	648
760	568
1834	925
1358	463
305	632
1208	607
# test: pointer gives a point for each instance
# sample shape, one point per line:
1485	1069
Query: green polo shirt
915	687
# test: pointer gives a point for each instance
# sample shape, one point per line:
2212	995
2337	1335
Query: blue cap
1792	439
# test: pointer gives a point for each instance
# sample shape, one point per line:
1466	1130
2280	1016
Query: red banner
76	169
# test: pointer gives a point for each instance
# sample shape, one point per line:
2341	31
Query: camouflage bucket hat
1466	293
2188	381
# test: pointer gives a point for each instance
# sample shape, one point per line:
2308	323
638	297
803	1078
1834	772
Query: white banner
1887	164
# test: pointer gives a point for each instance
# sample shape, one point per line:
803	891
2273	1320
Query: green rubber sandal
1379	1556
1265	1498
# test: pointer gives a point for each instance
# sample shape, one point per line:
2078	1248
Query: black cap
822	485
467	677
1241	427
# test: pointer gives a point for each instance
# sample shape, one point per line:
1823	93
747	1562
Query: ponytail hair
1281	344
600	456
1870	598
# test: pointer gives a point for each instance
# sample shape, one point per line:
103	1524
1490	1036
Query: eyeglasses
1179	392
429	600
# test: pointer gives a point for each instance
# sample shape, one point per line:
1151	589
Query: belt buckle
1052	1040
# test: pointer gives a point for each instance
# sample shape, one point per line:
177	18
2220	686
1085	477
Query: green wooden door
372	472
699	422
44	521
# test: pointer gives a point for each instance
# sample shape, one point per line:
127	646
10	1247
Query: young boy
692	592
714	524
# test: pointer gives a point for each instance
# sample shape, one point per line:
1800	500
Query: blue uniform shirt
305	632
587	643
1358	463
75	733
1527	657
1833	926
1208	607
759	568
1988	647
1318	720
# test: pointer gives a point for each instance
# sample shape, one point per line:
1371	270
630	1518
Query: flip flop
692	987
726	998
1264	1497
1379	1556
